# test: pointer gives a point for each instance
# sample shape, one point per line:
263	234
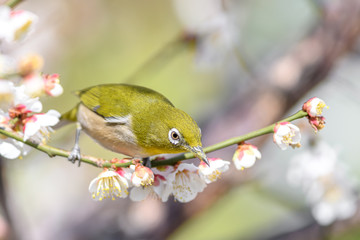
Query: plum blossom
15	25
184	183
156	190
314	107
23	103
212	173
9	148
142	176
38	125
109	184
286	134
245	156
317	123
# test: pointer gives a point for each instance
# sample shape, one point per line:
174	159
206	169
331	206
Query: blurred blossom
7	65
6	94
206	22
52	85
212	173
37	84
326	183
15	25
245	156
9	150
30	64
109	184
286	134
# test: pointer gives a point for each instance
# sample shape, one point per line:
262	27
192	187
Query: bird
135	121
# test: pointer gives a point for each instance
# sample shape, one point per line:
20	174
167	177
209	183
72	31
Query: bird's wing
106	102
115	102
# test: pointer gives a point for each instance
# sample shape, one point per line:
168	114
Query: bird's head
174	131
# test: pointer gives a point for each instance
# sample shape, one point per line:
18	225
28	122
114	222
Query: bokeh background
235	66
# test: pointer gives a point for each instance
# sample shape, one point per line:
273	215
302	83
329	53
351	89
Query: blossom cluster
185	180
287	134
22	83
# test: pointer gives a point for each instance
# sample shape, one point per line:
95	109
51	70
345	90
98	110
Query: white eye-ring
174	136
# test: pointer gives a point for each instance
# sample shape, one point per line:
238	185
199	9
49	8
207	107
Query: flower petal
7	150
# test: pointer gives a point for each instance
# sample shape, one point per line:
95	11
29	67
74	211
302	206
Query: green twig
52	151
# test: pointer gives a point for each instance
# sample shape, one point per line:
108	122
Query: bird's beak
199	153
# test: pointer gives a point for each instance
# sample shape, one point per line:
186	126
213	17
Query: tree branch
52	151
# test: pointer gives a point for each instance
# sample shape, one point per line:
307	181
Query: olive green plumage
144	121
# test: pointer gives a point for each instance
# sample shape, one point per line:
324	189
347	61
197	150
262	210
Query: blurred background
235	66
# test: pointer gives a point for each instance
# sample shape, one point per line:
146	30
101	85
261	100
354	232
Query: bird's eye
174	136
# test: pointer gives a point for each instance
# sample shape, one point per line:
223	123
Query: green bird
135	121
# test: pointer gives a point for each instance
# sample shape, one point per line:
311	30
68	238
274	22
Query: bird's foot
75	155
146	162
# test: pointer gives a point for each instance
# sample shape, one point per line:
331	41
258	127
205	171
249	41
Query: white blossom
286	134
245	156
212	173
109	184
184	183
314	107
39	124
15	25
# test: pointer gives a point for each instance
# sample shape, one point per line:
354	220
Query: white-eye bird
135	121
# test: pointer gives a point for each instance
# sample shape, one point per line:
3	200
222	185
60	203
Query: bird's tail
67	117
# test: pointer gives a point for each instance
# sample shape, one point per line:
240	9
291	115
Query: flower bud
245	156
314	107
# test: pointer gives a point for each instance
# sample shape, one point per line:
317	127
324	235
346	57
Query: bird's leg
146	162
75	152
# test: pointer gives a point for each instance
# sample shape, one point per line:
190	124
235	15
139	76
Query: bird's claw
75	155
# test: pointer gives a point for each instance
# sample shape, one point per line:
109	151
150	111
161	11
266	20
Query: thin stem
52	151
